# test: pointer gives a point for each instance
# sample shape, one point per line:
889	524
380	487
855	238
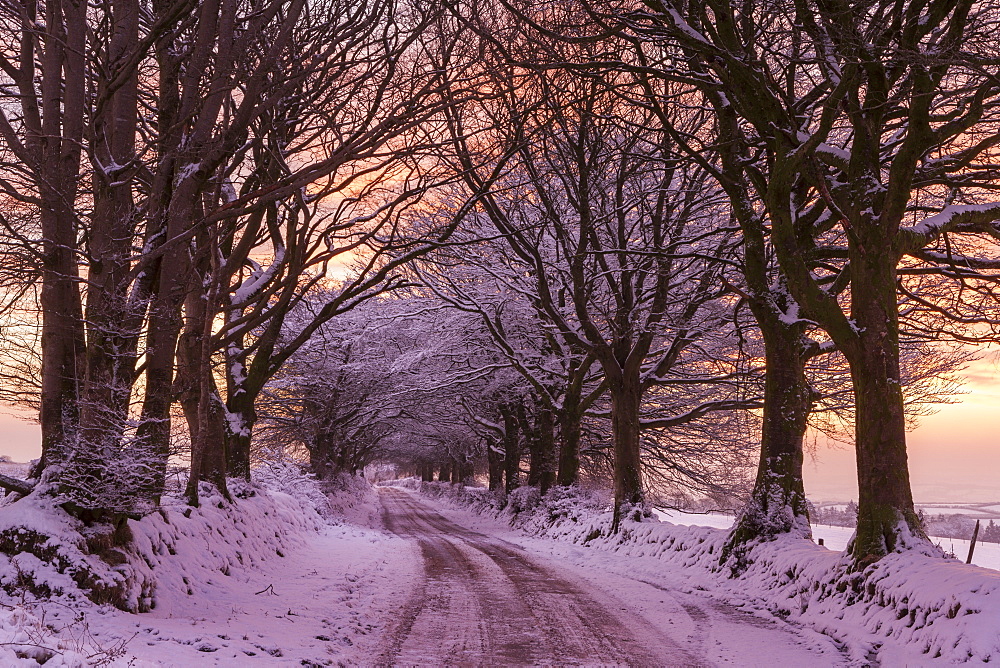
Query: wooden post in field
972	545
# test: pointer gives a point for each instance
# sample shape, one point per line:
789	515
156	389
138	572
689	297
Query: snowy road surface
486	601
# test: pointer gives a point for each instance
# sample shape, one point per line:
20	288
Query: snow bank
906	608
49	553
52	563
352	500
186	548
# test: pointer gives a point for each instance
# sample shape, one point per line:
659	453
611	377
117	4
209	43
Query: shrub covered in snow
351	498
343	497
30	637
291	479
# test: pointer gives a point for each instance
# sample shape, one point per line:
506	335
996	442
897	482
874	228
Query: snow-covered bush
30	636
405	483
351	498
291	479
341	497
523	499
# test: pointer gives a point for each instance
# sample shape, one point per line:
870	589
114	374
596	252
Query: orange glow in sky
954	455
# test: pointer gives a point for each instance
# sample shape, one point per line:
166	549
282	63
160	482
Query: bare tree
216	135
866	123
614	235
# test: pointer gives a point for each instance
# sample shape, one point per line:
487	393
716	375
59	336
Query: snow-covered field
986	555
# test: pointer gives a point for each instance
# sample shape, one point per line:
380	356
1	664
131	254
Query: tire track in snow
485	602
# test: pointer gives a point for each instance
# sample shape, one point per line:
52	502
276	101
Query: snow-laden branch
954	217
259	278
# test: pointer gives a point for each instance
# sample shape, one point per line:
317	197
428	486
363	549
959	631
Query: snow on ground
284	577
906	609
279	578
14	469
970	510
324	604
674	605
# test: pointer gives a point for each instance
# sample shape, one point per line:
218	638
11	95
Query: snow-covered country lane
434	586
485	601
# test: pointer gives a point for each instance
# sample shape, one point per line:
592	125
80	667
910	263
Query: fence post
972	545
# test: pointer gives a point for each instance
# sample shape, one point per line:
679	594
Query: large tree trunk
323	457
542	451
110	345
569	418
240	404
208	451
569	447
886	516
173	282
244	382
626	397
511	449
163	273
62	338
203	406
346	457
778	502
495	463
55	147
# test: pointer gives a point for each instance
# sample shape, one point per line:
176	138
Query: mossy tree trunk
777	503
626	397
887	519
